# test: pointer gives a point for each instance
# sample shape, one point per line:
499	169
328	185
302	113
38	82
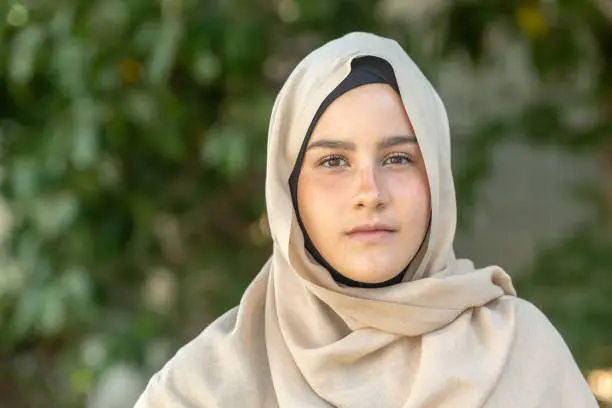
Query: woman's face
363	192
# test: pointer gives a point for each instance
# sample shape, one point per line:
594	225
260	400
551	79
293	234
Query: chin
374	275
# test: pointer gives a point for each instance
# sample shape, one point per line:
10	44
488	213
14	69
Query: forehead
367	95
374	109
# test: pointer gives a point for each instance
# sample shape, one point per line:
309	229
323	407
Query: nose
370	191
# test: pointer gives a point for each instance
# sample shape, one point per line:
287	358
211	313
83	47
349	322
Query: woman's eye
397	159
333	162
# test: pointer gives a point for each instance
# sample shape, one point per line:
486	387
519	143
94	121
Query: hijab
446	335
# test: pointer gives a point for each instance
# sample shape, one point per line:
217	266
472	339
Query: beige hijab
449	336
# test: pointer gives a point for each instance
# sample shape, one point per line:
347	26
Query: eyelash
325	160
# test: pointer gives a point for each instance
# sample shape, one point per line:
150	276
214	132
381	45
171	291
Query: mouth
371	232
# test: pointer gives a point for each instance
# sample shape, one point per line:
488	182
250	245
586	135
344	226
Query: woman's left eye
397	159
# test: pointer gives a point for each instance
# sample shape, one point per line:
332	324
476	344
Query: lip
375	227
371	232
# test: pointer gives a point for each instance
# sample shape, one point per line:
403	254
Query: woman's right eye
333	161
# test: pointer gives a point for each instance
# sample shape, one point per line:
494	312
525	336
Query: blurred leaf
53	314
70	61
108	19
313	10
61	23
18	15
82	380
206	67
164	52
25	48
559	53
55	213
28	310
467	25
85	136
141	107
75	287
225	147
24	177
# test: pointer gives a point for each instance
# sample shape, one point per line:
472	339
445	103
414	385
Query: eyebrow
392	141
385	143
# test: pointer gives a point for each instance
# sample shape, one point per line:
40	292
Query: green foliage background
132	148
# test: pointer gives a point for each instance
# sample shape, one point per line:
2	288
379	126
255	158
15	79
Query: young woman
363	302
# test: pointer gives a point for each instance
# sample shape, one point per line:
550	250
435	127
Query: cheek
411	194
320	199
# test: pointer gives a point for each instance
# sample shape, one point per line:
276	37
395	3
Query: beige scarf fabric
449	336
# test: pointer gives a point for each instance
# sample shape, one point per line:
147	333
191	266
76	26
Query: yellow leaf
82	380
531	21
129	70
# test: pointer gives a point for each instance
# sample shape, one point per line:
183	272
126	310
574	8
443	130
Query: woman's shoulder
532	327
230	350
524	311
181	377
533	330
541	344
540	355
532	321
